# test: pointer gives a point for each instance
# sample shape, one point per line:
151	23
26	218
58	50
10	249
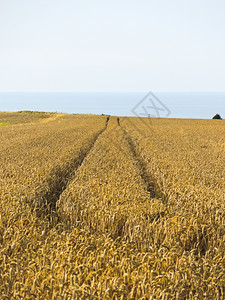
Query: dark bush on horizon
217	117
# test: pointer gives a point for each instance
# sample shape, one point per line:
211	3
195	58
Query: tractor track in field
149	181
59	181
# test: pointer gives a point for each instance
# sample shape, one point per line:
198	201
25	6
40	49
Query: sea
152	104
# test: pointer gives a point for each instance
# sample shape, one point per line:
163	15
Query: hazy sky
117	45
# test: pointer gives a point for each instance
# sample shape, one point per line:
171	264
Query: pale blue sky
119	45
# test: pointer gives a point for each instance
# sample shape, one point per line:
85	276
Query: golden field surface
97	207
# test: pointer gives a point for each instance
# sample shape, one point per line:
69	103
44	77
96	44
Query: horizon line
92	92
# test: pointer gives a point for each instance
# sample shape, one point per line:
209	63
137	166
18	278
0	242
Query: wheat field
99	207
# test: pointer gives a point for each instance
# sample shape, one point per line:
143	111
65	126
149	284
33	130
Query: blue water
173	105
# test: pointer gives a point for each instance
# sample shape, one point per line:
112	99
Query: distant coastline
181	105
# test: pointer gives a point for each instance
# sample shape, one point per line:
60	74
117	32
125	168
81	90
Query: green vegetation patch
31	112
